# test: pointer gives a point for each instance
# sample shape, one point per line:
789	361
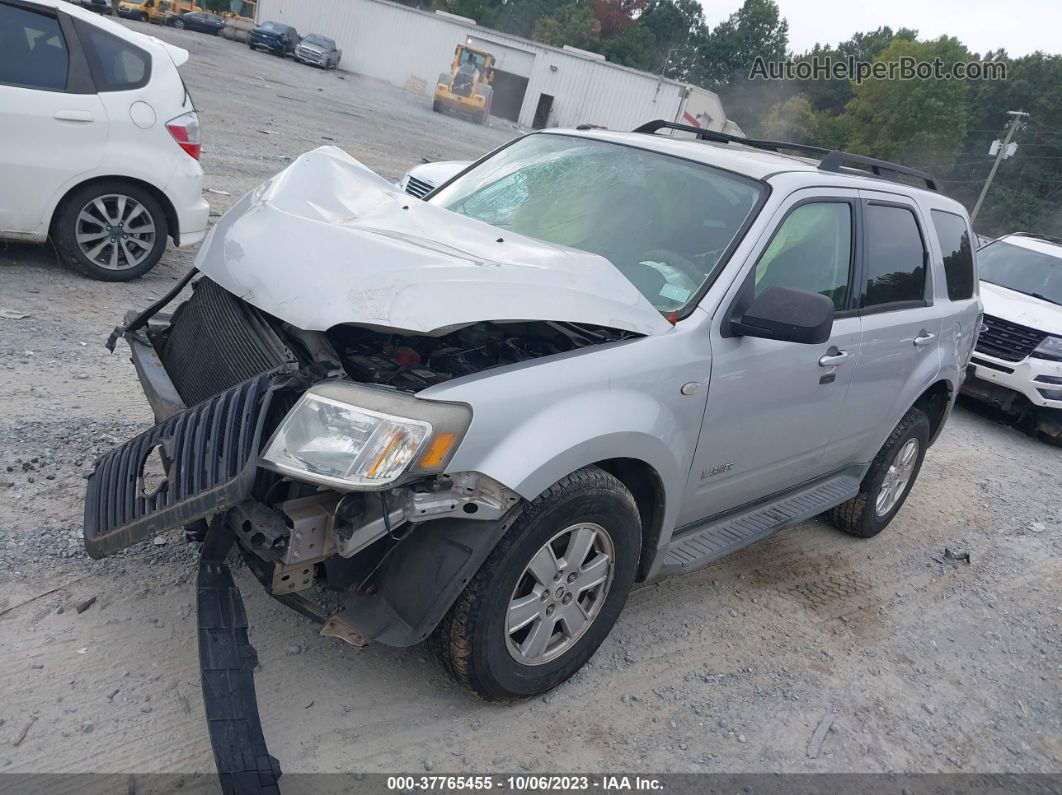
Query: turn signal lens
437	451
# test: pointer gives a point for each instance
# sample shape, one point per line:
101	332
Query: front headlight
356	437
1050	348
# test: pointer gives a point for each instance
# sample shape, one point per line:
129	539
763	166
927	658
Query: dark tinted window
116	64
812	251
32	51
955	245
896	257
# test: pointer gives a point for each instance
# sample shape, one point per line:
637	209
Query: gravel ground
921	665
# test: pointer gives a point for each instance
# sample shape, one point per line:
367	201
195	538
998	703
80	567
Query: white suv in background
1017	365
99	140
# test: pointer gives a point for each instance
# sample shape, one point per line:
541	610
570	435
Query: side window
812	250
32	51
956	246
896	256
116	64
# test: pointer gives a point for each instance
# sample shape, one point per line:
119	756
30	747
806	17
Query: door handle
833	358
924	338
74	115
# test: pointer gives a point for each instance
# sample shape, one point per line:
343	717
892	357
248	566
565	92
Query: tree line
944	126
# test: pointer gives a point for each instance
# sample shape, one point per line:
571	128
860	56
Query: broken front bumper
209	454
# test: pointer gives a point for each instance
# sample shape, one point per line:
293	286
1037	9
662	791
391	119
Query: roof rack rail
829	159
838	162
1037	236
726	138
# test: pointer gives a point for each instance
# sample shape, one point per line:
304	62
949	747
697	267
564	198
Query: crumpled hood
1021	308
327	241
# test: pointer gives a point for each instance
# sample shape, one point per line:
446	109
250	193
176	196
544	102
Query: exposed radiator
216	341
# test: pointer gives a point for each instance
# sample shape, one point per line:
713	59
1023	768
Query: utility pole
1015	117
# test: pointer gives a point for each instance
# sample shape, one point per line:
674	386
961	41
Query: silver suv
588	360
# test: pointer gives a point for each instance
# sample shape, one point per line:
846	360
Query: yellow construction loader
466	87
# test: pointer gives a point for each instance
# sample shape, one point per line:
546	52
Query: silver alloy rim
559	594
115	232
897	478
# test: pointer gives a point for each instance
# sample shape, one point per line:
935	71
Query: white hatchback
99	140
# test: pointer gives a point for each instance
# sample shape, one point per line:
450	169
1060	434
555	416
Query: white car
421	180
1017	365
99	140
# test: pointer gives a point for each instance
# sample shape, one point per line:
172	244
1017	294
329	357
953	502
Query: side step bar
719	536
226	661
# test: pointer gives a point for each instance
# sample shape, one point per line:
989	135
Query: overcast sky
1018	26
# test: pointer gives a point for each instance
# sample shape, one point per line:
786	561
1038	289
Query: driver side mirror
785	313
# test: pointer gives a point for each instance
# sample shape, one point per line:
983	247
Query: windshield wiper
1043	297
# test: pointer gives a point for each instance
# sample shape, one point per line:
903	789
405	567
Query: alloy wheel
115	231
897	477
560	593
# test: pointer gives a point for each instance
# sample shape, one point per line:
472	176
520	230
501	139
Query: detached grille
209	454
418	187
1008	341
216	341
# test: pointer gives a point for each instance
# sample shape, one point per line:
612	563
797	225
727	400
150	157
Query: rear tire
888	481
127	208
515	633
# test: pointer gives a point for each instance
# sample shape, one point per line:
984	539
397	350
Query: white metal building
535	85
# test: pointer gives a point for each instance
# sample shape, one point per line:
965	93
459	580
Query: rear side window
812	250
895	255
32	50
116	64
955	245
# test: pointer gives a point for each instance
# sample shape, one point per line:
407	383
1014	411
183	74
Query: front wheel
113	231
888	481
179	24
549	592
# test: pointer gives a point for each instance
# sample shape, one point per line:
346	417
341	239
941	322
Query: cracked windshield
663	222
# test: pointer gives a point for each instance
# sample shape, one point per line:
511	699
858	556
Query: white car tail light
185	131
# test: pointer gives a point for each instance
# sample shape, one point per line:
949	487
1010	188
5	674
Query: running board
721	535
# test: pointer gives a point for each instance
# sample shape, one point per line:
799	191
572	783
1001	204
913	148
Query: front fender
534	423
586	428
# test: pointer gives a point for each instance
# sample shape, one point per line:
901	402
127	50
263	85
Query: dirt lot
923	665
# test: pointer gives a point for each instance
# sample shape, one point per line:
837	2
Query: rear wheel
178	23
113	231
548	594
888	481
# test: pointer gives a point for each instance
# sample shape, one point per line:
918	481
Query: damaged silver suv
588	360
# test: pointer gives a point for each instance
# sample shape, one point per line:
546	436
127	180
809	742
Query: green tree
919	122
573	24
832	95
756	30
635	47
679	31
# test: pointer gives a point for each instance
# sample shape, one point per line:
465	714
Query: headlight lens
1050	348
355	437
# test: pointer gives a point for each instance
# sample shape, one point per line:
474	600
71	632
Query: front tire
113	231
888	481
179	24
548	594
